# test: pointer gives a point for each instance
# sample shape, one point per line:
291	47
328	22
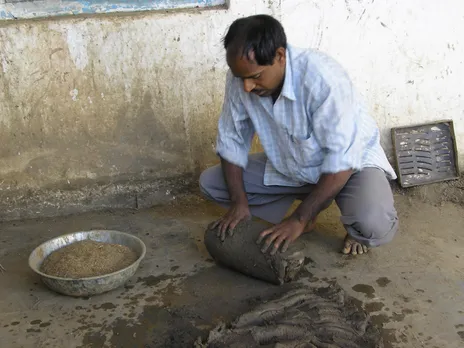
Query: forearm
324	193
233	175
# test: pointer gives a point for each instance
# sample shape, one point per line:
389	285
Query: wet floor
412	288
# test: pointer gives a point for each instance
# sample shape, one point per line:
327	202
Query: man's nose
248	85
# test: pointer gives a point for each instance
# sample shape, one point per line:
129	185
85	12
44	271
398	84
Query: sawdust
88	259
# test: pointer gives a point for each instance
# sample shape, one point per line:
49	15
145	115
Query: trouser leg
366	202
367	208
269	203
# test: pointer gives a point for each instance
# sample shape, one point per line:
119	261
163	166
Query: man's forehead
244	68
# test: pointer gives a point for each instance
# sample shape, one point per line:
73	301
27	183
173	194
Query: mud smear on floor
367	290
187	311
159	327
380	319
405	298
93	340
106	306
374	307
33	330
461	334
400	316
383	281
155	280
389	336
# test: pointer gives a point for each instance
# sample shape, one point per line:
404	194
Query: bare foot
353	247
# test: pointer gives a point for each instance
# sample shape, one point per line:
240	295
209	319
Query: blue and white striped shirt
319	124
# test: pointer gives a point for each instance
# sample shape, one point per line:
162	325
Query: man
319	142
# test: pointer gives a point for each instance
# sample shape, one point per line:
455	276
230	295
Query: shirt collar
287	88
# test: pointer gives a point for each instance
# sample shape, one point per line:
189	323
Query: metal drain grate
425	153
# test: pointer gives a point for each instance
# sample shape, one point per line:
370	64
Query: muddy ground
413	288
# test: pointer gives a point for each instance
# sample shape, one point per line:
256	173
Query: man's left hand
285	232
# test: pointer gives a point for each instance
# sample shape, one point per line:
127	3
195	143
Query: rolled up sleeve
336	123
235	129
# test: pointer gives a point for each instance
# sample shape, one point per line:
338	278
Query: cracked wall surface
135	98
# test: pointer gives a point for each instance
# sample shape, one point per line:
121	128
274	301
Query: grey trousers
366	201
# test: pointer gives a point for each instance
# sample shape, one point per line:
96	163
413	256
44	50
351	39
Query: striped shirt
319	124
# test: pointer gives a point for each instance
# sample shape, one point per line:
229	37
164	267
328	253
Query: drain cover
425	153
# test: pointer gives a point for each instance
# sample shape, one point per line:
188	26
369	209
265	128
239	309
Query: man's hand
285	232
238	212
239	209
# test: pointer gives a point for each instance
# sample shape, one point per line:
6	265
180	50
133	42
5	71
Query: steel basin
92	285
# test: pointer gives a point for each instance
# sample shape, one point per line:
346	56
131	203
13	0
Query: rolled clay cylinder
241	253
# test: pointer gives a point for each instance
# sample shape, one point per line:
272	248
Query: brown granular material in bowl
88	259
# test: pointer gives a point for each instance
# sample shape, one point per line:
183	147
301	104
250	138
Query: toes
347	248
352	247
355	249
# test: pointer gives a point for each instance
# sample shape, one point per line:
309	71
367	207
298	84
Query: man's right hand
225	225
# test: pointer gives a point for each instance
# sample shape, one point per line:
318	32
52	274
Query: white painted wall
405	56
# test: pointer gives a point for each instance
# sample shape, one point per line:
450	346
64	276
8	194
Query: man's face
263	80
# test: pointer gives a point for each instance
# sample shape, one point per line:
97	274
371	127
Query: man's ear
281	56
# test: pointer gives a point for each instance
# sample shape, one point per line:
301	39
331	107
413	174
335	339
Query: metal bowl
92	285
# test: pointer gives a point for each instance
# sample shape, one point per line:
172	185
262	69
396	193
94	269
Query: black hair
260	34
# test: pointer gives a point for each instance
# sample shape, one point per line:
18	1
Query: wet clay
302	317
241	253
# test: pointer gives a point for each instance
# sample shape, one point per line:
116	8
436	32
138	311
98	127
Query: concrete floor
413	287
